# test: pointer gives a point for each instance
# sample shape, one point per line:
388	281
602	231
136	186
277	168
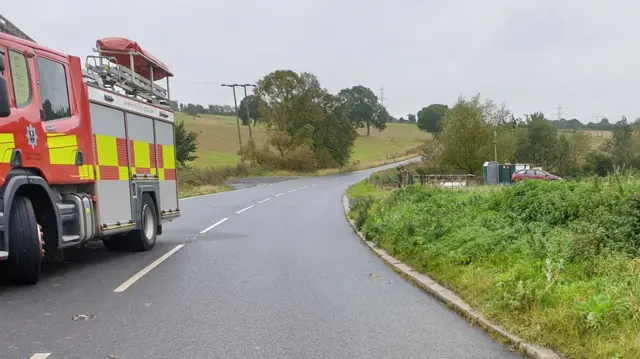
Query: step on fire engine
85	153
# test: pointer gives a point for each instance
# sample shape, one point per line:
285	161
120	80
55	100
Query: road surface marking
324	181
213	226
146	270
245	209
264	200
303	187
313	185
40	355
279	194
293	190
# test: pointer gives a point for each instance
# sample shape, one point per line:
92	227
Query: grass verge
556	263
192	191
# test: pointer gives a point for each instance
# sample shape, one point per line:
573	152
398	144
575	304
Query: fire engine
86	152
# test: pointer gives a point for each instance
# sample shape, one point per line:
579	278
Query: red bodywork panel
78	124
109	45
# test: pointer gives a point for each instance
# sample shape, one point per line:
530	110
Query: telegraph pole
235	102
247	105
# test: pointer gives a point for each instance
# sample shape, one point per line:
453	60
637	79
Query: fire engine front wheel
25	247
142	239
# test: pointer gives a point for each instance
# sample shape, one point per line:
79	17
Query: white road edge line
213	226
293	190
40	355
245	209
279	194
146	270
264	200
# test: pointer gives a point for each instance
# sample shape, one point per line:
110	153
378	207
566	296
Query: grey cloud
529	54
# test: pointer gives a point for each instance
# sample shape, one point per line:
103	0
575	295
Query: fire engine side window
53	89
20	78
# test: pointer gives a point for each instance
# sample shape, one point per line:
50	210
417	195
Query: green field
218	140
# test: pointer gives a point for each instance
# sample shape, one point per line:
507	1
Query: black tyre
25	247
140	239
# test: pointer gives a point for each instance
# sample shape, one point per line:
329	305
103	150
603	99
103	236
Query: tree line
429	118
473	132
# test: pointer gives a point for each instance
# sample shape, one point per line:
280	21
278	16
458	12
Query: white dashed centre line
245	209
279	194
213	226
324	181
313	185
303	187
293	190
264	200
146	270
40	355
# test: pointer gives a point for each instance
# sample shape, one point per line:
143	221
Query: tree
466	137
538	143
186	144
380	118
362	106
253	102
334	137
307	127
411	118
621	147
579	148
430	118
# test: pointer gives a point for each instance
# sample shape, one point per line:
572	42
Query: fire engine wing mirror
5	107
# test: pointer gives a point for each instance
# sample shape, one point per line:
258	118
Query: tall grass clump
556	262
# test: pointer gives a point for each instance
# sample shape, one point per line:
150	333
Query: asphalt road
286	278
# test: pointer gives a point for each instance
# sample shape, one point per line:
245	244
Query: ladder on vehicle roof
113	75
8	27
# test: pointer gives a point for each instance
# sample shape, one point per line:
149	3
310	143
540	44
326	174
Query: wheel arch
153	190
37	190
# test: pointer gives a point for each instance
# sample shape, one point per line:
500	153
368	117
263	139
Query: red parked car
534	175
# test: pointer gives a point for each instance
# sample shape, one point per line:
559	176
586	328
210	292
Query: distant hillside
218	140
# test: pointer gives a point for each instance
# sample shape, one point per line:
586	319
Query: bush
557	262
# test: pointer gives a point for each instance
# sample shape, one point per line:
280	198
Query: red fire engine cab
85	153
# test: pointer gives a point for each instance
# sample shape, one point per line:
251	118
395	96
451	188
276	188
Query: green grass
365	189
218	141
192	191
555	262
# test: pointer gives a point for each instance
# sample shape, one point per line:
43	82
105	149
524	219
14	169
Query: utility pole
235	102
495	145
247	105
598	118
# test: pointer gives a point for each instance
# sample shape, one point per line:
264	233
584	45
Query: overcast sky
530	54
